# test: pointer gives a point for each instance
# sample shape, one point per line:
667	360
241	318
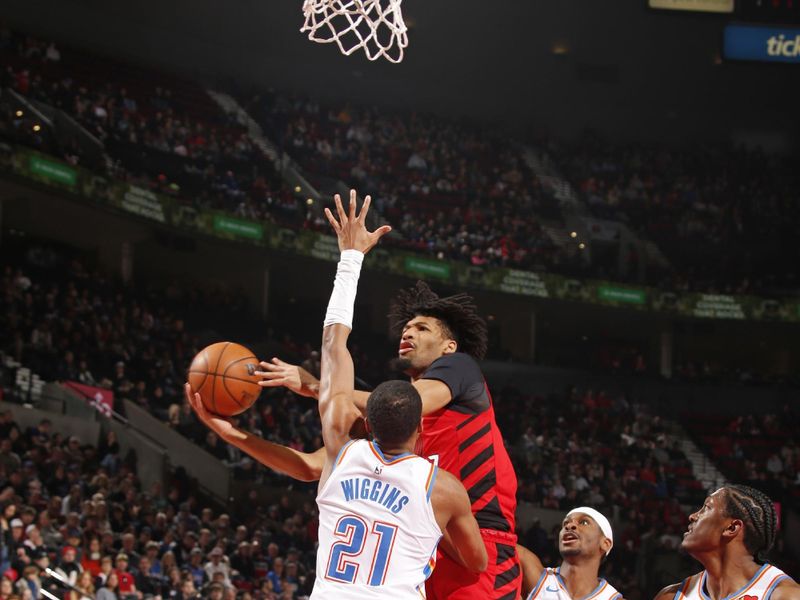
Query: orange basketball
223	375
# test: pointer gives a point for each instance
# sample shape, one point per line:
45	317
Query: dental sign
769	44
715	6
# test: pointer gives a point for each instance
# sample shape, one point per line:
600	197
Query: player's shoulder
456	359
787	589
447	482
447	489
669	592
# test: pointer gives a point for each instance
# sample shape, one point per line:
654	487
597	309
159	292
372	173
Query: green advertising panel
119	195
52	171
425	267
238	227
622	295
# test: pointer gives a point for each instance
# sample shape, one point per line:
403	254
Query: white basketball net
375	26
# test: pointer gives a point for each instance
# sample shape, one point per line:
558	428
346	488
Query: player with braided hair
441	339
730	536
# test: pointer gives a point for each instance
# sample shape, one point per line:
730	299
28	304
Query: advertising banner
52	171
713	6
119	195
427	267
143	203
525	283
762	43
238	227
101	399
623	295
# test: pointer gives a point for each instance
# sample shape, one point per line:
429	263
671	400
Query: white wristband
343	297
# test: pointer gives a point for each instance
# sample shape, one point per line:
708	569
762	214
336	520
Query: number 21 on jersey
345	559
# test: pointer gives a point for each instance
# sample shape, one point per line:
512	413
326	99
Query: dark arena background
615	182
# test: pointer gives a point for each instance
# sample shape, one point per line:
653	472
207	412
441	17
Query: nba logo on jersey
377	535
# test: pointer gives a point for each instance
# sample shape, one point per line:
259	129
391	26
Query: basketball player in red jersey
730	536
440	340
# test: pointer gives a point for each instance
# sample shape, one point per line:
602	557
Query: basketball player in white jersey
584	541
382	508
730	536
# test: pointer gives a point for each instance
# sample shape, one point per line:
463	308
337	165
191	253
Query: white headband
599	518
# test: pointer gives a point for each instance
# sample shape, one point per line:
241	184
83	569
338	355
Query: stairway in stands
551	179
704	469
283	163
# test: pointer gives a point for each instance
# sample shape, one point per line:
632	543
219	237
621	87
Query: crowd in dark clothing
724	217
79	509
150	135
451	189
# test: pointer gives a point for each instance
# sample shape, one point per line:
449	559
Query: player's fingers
362	216
337	199
352	214
267	366
381	231
332	221
194	400
268	375
278	361
272	382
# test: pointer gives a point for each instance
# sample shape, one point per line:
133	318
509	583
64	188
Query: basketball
223	375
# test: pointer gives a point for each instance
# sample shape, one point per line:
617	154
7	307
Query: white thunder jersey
758	588
377	531
551	587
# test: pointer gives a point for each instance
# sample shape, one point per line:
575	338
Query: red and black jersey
464	436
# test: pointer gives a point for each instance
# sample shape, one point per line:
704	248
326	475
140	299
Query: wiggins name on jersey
377	531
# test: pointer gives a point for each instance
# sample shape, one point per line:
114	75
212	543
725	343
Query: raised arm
303	466
336	408
532	569
277	373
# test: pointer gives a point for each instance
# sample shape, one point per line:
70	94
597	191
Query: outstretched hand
222	426
351	229
277	373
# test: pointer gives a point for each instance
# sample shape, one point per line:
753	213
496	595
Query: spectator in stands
85	587
69	568
110	588
217	564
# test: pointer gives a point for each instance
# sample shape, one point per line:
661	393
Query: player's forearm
311	386
336	385
302	466
447	546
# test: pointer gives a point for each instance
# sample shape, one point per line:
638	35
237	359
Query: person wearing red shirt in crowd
90	561
127	583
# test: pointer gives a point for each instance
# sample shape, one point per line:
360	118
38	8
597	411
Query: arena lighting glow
37	128
19	113
573	234
298	189
582	246
310	201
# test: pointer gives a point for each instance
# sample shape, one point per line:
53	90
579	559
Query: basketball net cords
364	20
